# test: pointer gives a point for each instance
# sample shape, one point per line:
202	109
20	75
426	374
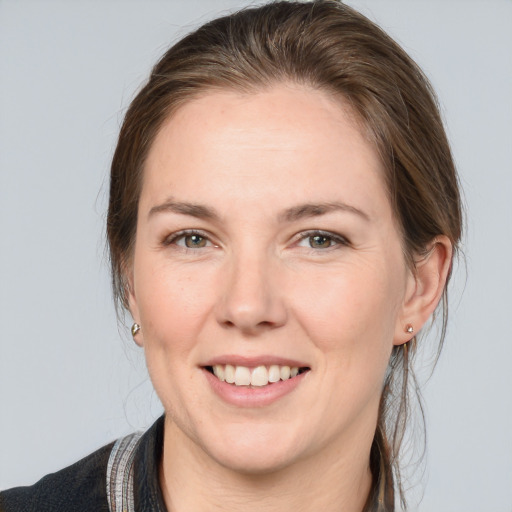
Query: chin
261	452
256	464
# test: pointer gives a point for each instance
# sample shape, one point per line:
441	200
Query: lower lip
245	396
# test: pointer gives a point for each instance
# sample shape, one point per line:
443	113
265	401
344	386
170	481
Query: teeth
218	370
259	376
274	374
229	373
242	376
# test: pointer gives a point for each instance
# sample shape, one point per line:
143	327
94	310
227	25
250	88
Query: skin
256	283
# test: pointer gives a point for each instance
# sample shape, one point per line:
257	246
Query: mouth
255	377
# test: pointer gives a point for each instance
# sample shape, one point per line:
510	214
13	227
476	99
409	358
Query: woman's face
266	245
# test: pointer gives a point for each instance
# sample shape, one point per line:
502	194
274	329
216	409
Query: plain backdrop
71	379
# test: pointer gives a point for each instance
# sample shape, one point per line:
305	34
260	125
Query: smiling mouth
255	377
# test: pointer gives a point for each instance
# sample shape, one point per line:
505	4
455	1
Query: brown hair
330	47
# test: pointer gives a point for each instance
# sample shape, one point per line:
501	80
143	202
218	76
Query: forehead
286	143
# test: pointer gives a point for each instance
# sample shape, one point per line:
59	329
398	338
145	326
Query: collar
146	487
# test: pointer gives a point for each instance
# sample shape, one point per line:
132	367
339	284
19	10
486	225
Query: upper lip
254	361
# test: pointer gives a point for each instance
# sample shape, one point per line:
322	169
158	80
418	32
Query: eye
194	241
321	240
189	240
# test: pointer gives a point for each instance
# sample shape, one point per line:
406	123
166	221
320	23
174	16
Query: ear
425	286
133	307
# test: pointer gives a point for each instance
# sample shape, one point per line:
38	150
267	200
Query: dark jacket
82	487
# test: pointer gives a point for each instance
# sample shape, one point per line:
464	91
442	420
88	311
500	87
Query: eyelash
175	237
335	239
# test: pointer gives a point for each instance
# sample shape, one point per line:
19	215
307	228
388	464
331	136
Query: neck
331	481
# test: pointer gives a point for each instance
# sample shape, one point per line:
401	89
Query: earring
135	329
409	328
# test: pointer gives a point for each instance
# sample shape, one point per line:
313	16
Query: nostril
249	327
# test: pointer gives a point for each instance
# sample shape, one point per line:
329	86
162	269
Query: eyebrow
193	210
316	209
292	214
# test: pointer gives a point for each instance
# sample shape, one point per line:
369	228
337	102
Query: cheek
351	320
172	302
359	298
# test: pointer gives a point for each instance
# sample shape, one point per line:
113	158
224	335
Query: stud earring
409	328
135	329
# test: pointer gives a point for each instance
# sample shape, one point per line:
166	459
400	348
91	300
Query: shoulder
80	487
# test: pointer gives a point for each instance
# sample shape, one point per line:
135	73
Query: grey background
70	383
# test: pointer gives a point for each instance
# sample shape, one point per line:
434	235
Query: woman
283	215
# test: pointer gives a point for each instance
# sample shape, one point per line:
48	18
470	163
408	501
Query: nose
252	298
